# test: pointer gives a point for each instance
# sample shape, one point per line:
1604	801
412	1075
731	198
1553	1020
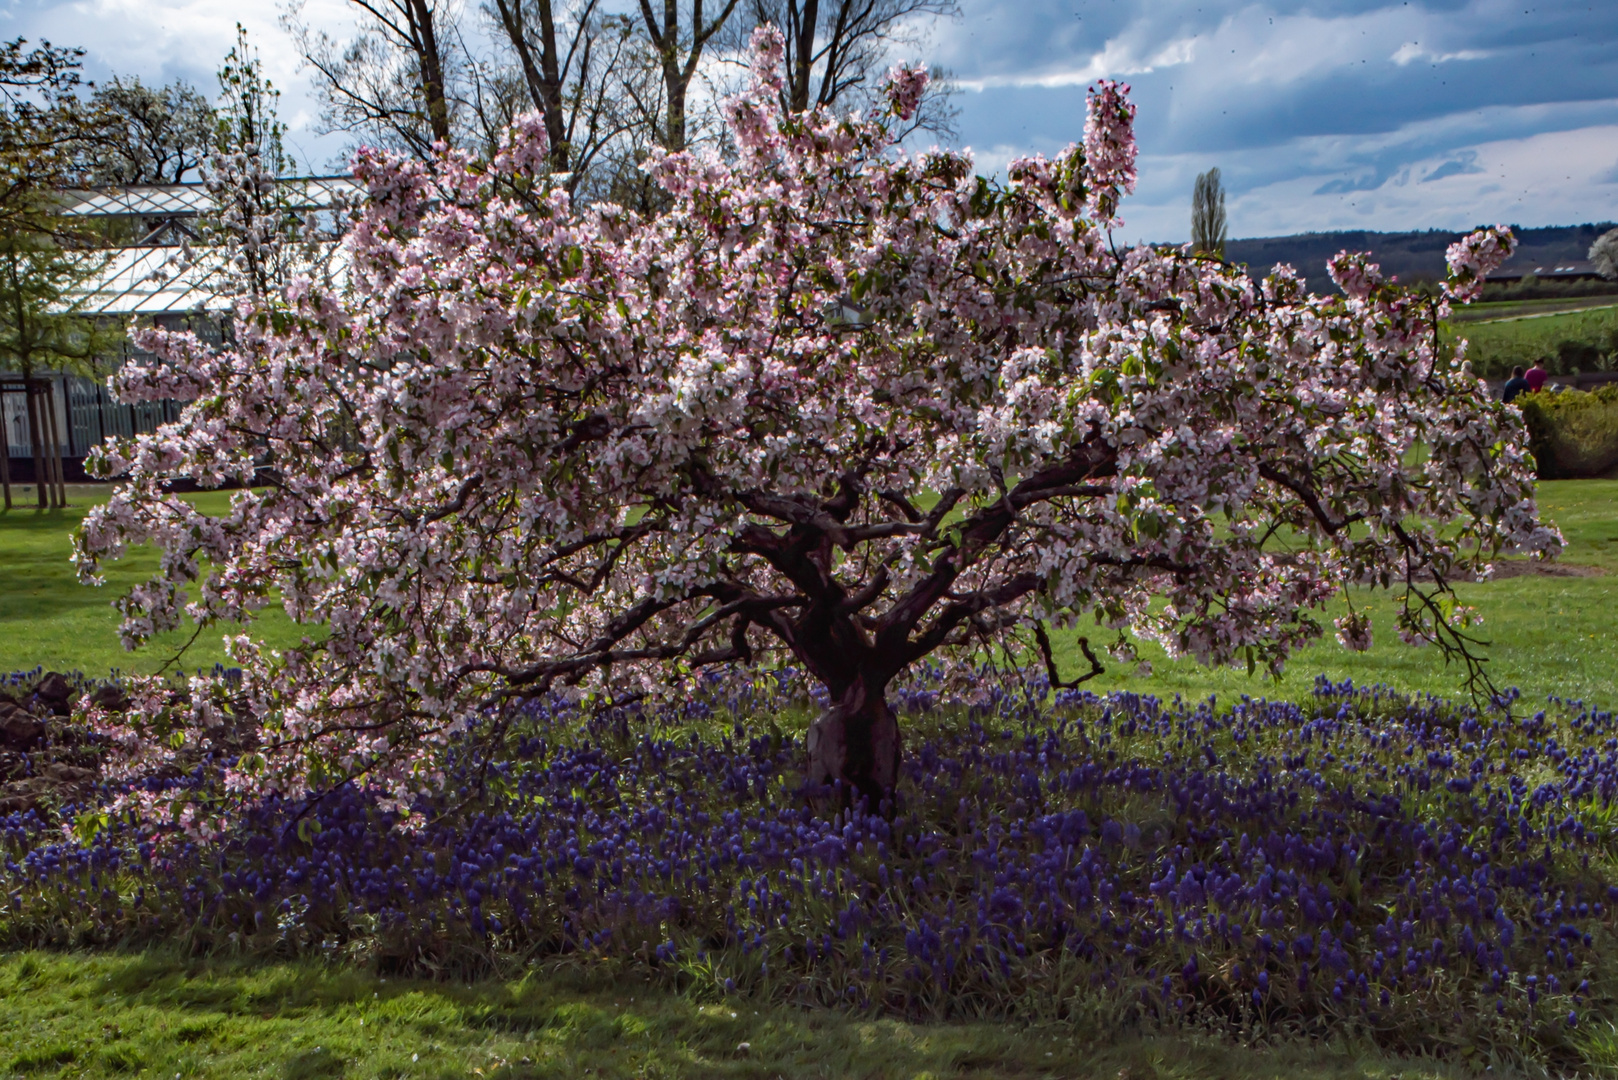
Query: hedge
1573	434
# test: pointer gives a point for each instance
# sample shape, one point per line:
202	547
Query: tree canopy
838	407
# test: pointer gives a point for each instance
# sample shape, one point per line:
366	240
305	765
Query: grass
1550	635
1509	309
157	1015
1575	340
48	619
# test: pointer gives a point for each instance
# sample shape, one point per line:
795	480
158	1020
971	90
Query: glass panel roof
154	200
151	279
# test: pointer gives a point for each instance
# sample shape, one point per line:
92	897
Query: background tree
247	119
838	50
399	81
861	412
44	127
149	135
1208	223
42	332
577	66
258	233
1604	253
679	35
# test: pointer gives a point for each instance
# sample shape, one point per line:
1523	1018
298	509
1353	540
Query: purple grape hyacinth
1395	865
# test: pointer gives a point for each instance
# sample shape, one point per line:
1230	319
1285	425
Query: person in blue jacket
1515	385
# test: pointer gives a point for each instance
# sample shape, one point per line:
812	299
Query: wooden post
5	449
56	465
36	439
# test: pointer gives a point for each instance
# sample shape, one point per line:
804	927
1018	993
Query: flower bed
1410	868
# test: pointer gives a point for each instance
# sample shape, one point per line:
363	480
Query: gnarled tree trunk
855	743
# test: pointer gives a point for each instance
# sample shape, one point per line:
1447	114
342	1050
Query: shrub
1536	288
1573	433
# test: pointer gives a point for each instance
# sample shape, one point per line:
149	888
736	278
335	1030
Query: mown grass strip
150	1014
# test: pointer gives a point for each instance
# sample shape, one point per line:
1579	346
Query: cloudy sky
1321	114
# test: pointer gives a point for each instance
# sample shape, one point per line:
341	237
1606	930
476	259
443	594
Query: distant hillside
1410	255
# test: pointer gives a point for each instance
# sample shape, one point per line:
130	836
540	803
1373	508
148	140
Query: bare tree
149	135
836	50
678	44
612	81
1208	222
393	80
576	65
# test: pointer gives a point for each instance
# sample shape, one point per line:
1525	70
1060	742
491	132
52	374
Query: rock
110	697
68	774
24	795
54	694
19	730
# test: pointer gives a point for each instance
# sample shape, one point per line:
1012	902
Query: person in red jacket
1536	377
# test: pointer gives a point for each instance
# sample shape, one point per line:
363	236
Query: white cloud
1553	178
160	40
1411	51
1115	60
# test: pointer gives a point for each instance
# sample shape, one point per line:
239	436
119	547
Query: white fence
85	415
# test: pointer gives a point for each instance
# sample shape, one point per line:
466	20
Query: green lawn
154	1015
48	619
1551	635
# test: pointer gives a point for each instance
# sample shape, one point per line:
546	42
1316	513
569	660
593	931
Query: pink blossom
1473	258
905	86
1109	147
1355	274
1354	631
769	47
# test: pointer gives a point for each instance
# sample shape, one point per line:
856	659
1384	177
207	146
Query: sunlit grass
47	619
157	1015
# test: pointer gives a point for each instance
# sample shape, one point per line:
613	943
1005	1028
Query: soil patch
1510	568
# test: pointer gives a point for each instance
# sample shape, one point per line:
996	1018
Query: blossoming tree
839	406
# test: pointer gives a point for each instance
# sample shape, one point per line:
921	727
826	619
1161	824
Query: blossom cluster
1367	861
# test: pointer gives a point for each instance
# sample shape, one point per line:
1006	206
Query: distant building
1569	270
143	278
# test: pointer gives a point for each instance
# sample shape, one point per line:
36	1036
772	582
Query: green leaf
89	824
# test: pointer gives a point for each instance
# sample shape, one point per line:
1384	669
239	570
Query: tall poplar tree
1208	222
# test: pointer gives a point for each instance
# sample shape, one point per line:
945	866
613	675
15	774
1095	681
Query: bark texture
856	743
